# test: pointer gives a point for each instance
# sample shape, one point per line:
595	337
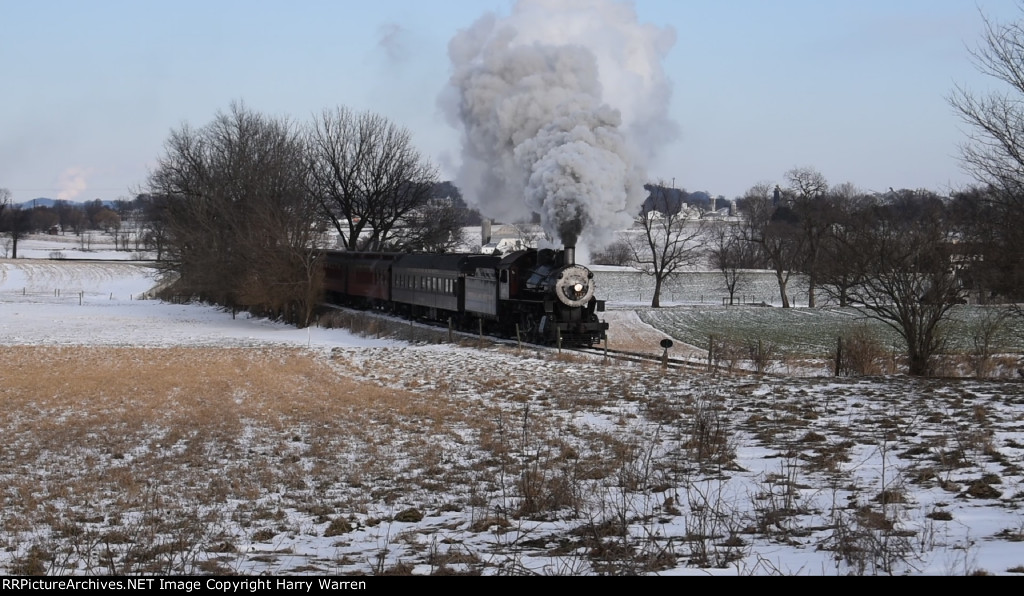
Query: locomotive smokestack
569	236
570	256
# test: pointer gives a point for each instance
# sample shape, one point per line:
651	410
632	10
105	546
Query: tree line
246	197
123	219
904	257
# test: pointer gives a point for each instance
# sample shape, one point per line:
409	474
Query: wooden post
519	339
839	355
449	330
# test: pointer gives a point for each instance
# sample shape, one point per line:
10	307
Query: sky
857	90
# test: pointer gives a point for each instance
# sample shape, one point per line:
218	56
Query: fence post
839	354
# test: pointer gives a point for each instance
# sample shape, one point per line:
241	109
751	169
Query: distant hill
45	202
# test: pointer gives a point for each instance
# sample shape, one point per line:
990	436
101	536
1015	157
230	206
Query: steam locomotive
541	296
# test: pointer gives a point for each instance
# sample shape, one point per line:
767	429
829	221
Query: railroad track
680	363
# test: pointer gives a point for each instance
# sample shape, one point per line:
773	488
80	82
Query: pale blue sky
855	89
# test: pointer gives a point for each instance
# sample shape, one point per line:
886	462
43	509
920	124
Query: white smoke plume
73	182
560	104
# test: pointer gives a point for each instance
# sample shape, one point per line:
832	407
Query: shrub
860	353
617	254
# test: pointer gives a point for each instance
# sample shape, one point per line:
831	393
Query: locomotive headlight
575	286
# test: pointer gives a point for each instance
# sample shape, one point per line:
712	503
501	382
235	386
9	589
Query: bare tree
908	279
814	212
528	234
731	254
775	231
16	223
43	219
366	176
239	220
994	150
617	253
155	233
5	201
667	241
437	226
806	182
838	265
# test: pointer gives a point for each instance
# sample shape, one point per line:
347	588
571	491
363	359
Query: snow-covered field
146	437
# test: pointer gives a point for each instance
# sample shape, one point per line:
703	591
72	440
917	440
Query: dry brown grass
155	442
197	452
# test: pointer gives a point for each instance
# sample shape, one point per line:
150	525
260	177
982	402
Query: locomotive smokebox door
574	286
